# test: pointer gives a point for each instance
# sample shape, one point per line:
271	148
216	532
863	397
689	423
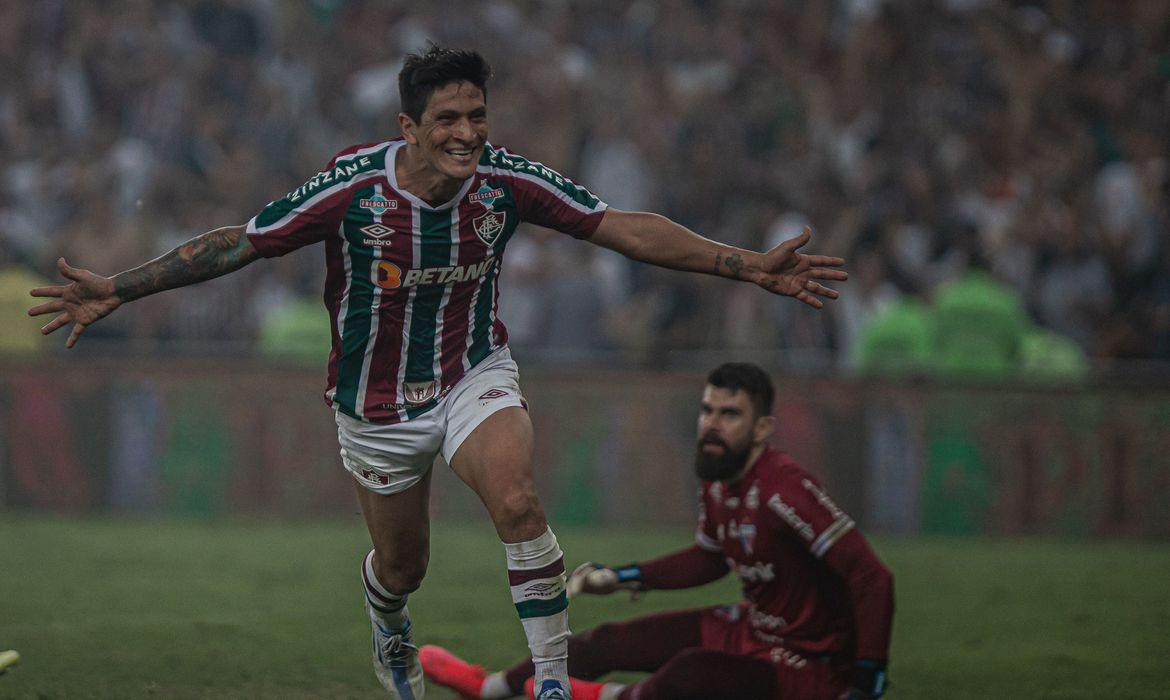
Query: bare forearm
204	257
657	240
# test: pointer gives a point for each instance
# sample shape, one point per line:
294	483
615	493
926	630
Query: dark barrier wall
220	437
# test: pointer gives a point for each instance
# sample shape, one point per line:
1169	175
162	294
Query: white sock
611	691
557	670
536	572
386	607
495	687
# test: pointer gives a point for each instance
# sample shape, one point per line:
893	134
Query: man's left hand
785	270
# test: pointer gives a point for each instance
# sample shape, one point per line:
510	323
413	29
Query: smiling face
730	436
450	135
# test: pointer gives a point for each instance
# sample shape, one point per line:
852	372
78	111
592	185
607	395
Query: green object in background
578	502
979	327
955	489
297	331
898	340
22	334
195	466
1047	355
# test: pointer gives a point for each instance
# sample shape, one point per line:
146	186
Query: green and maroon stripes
311	212
483	318
426	323
435	242
355	328
539	592
530	170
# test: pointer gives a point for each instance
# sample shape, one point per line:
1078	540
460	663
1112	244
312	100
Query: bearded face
718	460
729	433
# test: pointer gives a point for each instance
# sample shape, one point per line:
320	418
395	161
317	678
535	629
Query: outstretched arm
204	257
657	240
685	568
90	297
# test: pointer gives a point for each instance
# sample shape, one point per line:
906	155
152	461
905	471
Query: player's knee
402	576
520	514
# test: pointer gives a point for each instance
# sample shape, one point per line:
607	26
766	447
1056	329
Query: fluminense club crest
489	226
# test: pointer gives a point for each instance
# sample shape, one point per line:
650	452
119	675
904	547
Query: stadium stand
925	137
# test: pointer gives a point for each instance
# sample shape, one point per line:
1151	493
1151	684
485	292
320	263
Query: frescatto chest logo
378	205
486	195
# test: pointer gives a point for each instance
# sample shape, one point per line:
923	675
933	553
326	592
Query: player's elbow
874	575
625	232
881	578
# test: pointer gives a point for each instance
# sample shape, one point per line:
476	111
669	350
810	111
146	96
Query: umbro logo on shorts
492	394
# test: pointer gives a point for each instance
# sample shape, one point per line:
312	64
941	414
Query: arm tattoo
718	259
734	263
204	257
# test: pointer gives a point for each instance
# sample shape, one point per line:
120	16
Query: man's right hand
85	300
599	579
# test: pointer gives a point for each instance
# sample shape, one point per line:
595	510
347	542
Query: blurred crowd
920	139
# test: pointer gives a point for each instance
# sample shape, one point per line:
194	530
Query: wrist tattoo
718	259
734	263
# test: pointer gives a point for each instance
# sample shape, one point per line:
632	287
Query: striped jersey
412	289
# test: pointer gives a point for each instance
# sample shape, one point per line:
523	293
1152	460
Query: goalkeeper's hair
425	72
744	376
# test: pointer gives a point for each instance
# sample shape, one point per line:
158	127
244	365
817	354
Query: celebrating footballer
414	231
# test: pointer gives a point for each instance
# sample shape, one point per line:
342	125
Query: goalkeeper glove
599	579
868	680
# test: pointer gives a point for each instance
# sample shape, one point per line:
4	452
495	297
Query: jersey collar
392	178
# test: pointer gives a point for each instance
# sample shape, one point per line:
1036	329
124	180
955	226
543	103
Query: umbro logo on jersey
377	231
489	226
492	394
378	204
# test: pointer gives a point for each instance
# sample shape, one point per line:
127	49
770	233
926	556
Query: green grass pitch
105	608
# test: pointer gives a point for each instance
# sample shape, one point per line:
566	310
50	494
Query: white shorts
388	458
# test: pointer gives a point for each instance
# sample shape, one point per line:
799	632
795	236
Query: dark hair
424	73
744	376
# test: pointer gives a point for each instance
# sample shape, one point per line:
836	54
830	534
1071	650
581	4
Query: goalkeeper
818	603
